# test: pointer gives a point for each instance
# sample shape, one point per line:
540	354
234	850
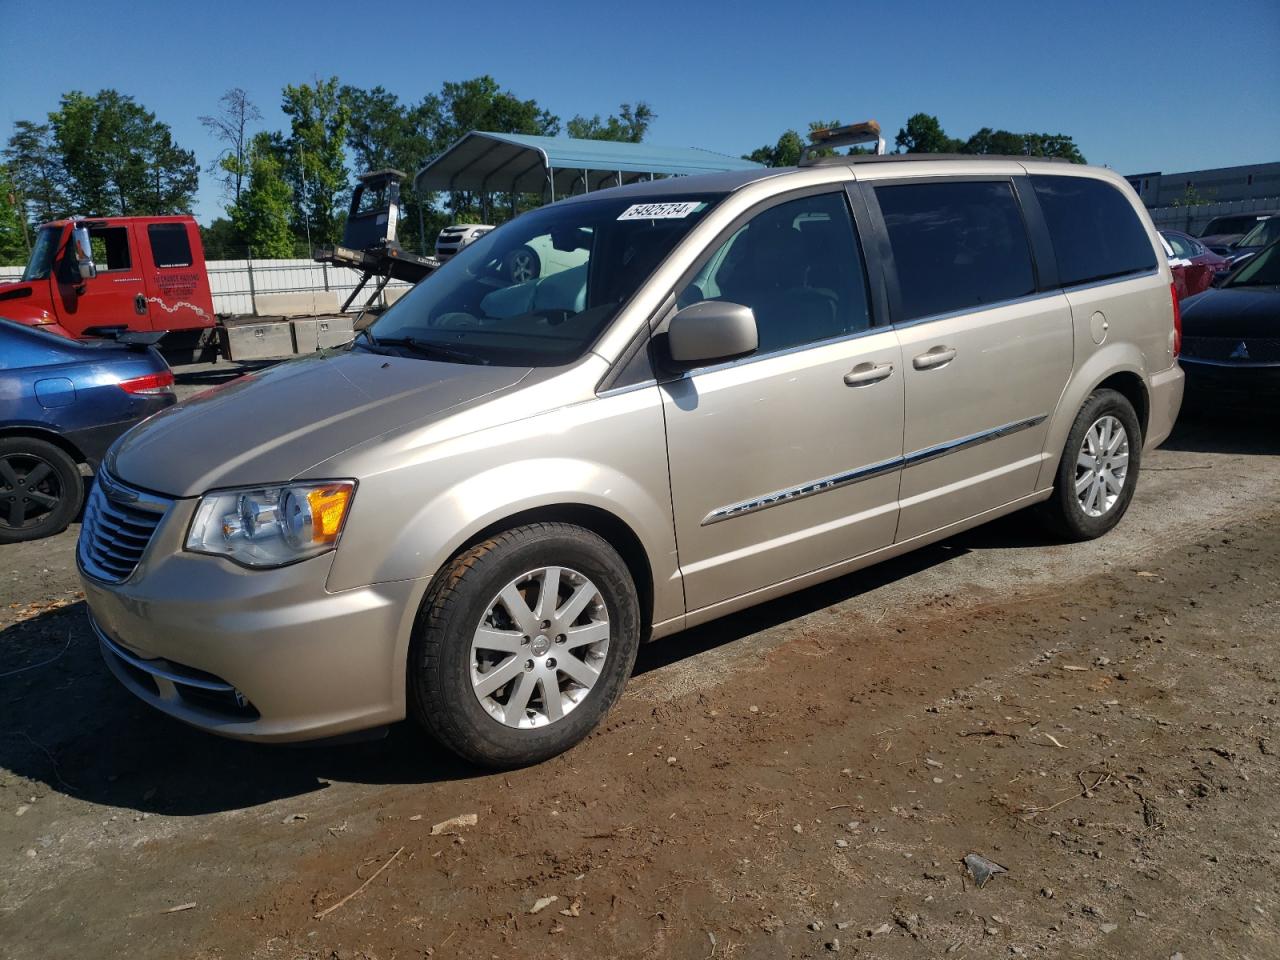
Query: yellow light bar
868	128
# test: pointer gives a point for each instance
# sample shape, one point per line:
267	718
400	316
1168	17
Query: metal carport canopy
523	163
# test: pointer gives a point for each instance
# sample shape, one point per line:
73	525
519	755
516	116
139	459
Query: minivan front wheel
524	642
1099	468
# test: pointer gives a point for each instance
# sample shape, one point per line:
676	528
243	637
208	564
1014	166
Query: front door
786	461
116	296
986	354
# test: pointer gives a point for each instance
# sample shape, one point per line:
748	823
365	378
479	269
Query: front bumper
266	655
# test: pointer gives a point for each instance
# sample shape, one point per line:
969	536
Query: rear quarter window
1096	233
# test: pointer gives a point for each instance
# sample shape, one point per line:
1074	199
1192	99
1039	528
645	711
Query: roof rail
831	138
975	157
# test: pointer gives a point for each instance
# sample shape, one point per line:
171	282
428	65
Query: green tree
262	217
230	126
923	133
314	157
481	104
221	238
629	125
13	226
117	158
1004	143
784	153
36	168
1191	197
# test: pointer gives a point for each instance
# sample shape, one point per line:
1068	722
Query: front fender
34	315
608	453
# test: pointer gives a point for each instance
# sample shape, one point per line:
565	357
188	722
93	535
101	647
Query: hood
271	426
1233	312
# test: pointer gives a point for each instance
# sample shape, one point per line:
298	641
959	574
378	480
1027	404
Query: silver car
728	388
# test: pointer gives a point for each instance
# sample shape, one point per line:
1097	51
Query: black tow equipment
369	245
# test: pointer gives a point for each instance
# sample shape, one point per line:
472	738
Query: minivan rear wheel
1099	468
524	642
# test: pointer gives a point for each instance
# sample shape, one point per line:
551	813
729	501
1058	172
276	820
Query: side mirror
711	331
84	254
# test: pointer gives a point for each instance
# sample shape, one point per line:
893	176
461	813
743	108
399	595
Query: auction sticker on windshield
661	211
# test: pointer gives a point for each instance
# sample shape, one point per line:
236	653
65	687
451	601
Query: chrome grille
118	525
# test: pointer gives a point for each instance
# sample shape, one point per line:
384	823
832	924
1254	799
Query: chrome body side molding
814	487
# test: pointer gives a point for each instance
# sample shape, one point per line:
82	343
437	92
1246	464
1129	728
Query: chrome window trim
977	308
836	481
618	391
783	352
1106	281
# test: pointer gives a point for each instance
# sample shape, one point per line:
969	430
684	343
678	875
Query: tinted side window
798	267
1096	233
169	244
956	245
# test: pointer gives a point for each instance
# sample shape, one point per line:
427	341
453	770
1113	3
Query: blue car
62	404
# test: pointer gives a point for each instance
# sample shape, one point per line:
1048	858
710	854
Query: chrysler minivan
731	387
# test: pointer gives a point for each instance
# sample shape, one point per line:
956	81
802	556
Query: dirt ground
797	780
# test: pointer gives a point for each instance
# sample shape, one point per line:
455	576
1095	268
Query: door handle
867	373
934	358
140	305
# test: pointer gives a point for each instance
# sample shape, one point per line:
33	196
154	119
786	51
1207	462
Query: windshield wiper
427	348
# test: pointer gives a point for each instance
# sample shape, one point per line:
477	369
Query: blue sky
1168	86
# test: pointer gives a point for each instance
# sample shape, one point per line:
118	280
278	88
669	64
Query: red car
1195	266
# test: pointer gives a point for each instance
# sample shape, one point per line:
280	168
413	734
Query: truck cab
88	275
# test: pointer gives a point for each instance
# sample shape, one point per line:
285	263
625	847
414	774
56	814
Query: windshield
1262	234
1261	270
42	253
540	289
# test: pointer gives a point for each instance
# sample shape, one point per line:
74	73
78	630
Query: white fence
236	282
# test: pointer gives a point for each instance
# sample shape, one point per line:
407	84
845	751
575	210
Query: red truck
98	275
152	277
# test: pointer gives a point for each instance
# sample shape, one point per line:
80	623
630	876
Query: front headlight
271	526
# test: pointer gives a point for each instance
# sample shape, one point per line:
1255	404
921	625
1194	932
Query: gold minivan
718	390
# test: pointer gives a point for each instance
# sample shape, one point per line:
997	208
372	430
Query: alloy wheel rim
540	647
29	490
1102	465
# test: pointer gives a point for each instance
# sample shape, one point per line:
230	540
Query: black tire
1063	512
522	264
40	489
440	695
